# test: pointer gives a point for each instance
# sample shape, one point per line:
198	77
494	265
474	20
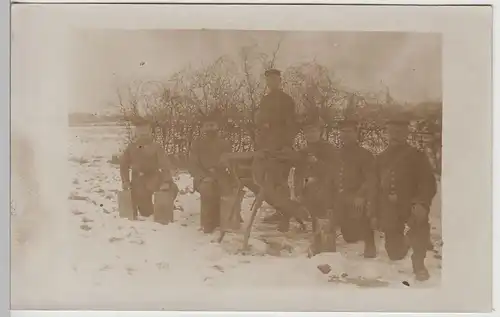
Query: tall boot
395	245
370	251
368	234
276	217
284	224
419	269
419	238
329	230
330	242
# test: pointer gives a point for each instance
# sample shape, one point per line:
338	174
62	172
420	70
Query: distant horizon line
110	110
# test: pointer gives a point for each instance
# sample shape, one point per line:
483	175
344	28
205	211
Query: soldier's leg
349	225
135	199
215	216
316	245
142	199
276	217
277	196
418	237
209	213
368	237
277	177
284	223
331	235
395	242
350	230
210	203
288	208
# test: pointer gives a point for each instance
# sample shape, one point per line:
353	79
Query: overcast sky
409	63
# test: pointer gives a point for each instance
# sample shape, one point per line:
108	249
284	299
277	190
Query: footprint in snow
86	220
218	268
77	197
85	227
162	265
114	239
130	270
105	268
139	242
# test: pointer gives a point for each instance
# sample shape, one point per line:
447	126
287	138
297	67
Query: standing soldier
406	189
150	169
277	128
275	118
209	176
355	189
313	183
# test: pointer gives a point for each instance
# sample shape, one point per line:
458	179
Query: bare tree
236	86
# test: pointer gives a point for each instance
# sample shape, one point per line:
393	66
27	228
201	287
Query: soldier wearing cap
275	118
276	131
150	169
209	176
355	189
313	181
406	187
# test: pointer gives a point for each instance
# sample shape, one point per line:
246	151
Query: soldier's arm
291	119
426	182
261	116
196	170
334	160
125	164
226	148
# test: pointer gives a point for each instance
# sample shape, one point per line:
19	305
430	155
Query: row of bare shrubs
236	85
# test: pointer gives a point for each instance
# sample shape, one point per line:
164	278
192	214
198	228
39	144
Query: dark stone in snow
324	268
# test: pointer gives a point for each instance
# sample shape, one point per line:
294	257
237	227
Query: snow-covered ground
107	262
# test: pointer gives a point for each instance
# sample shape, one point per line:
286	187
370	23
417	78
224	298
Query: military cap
272	71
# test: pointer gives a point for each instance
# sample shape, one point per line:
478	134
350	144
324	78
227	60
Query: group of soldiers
344	188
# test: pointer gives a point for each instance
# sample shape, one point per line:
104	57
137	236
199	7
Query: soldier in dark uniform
314	183
209	175
276	131
275	118
406	187
355	189
150	169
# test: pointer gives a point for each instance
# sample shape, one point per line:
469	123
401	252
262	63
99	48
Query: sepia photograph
227	159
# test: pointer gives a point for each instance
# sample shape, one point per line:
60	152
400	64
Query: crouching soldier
355	189
406	188
210	178
313	184
150	170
